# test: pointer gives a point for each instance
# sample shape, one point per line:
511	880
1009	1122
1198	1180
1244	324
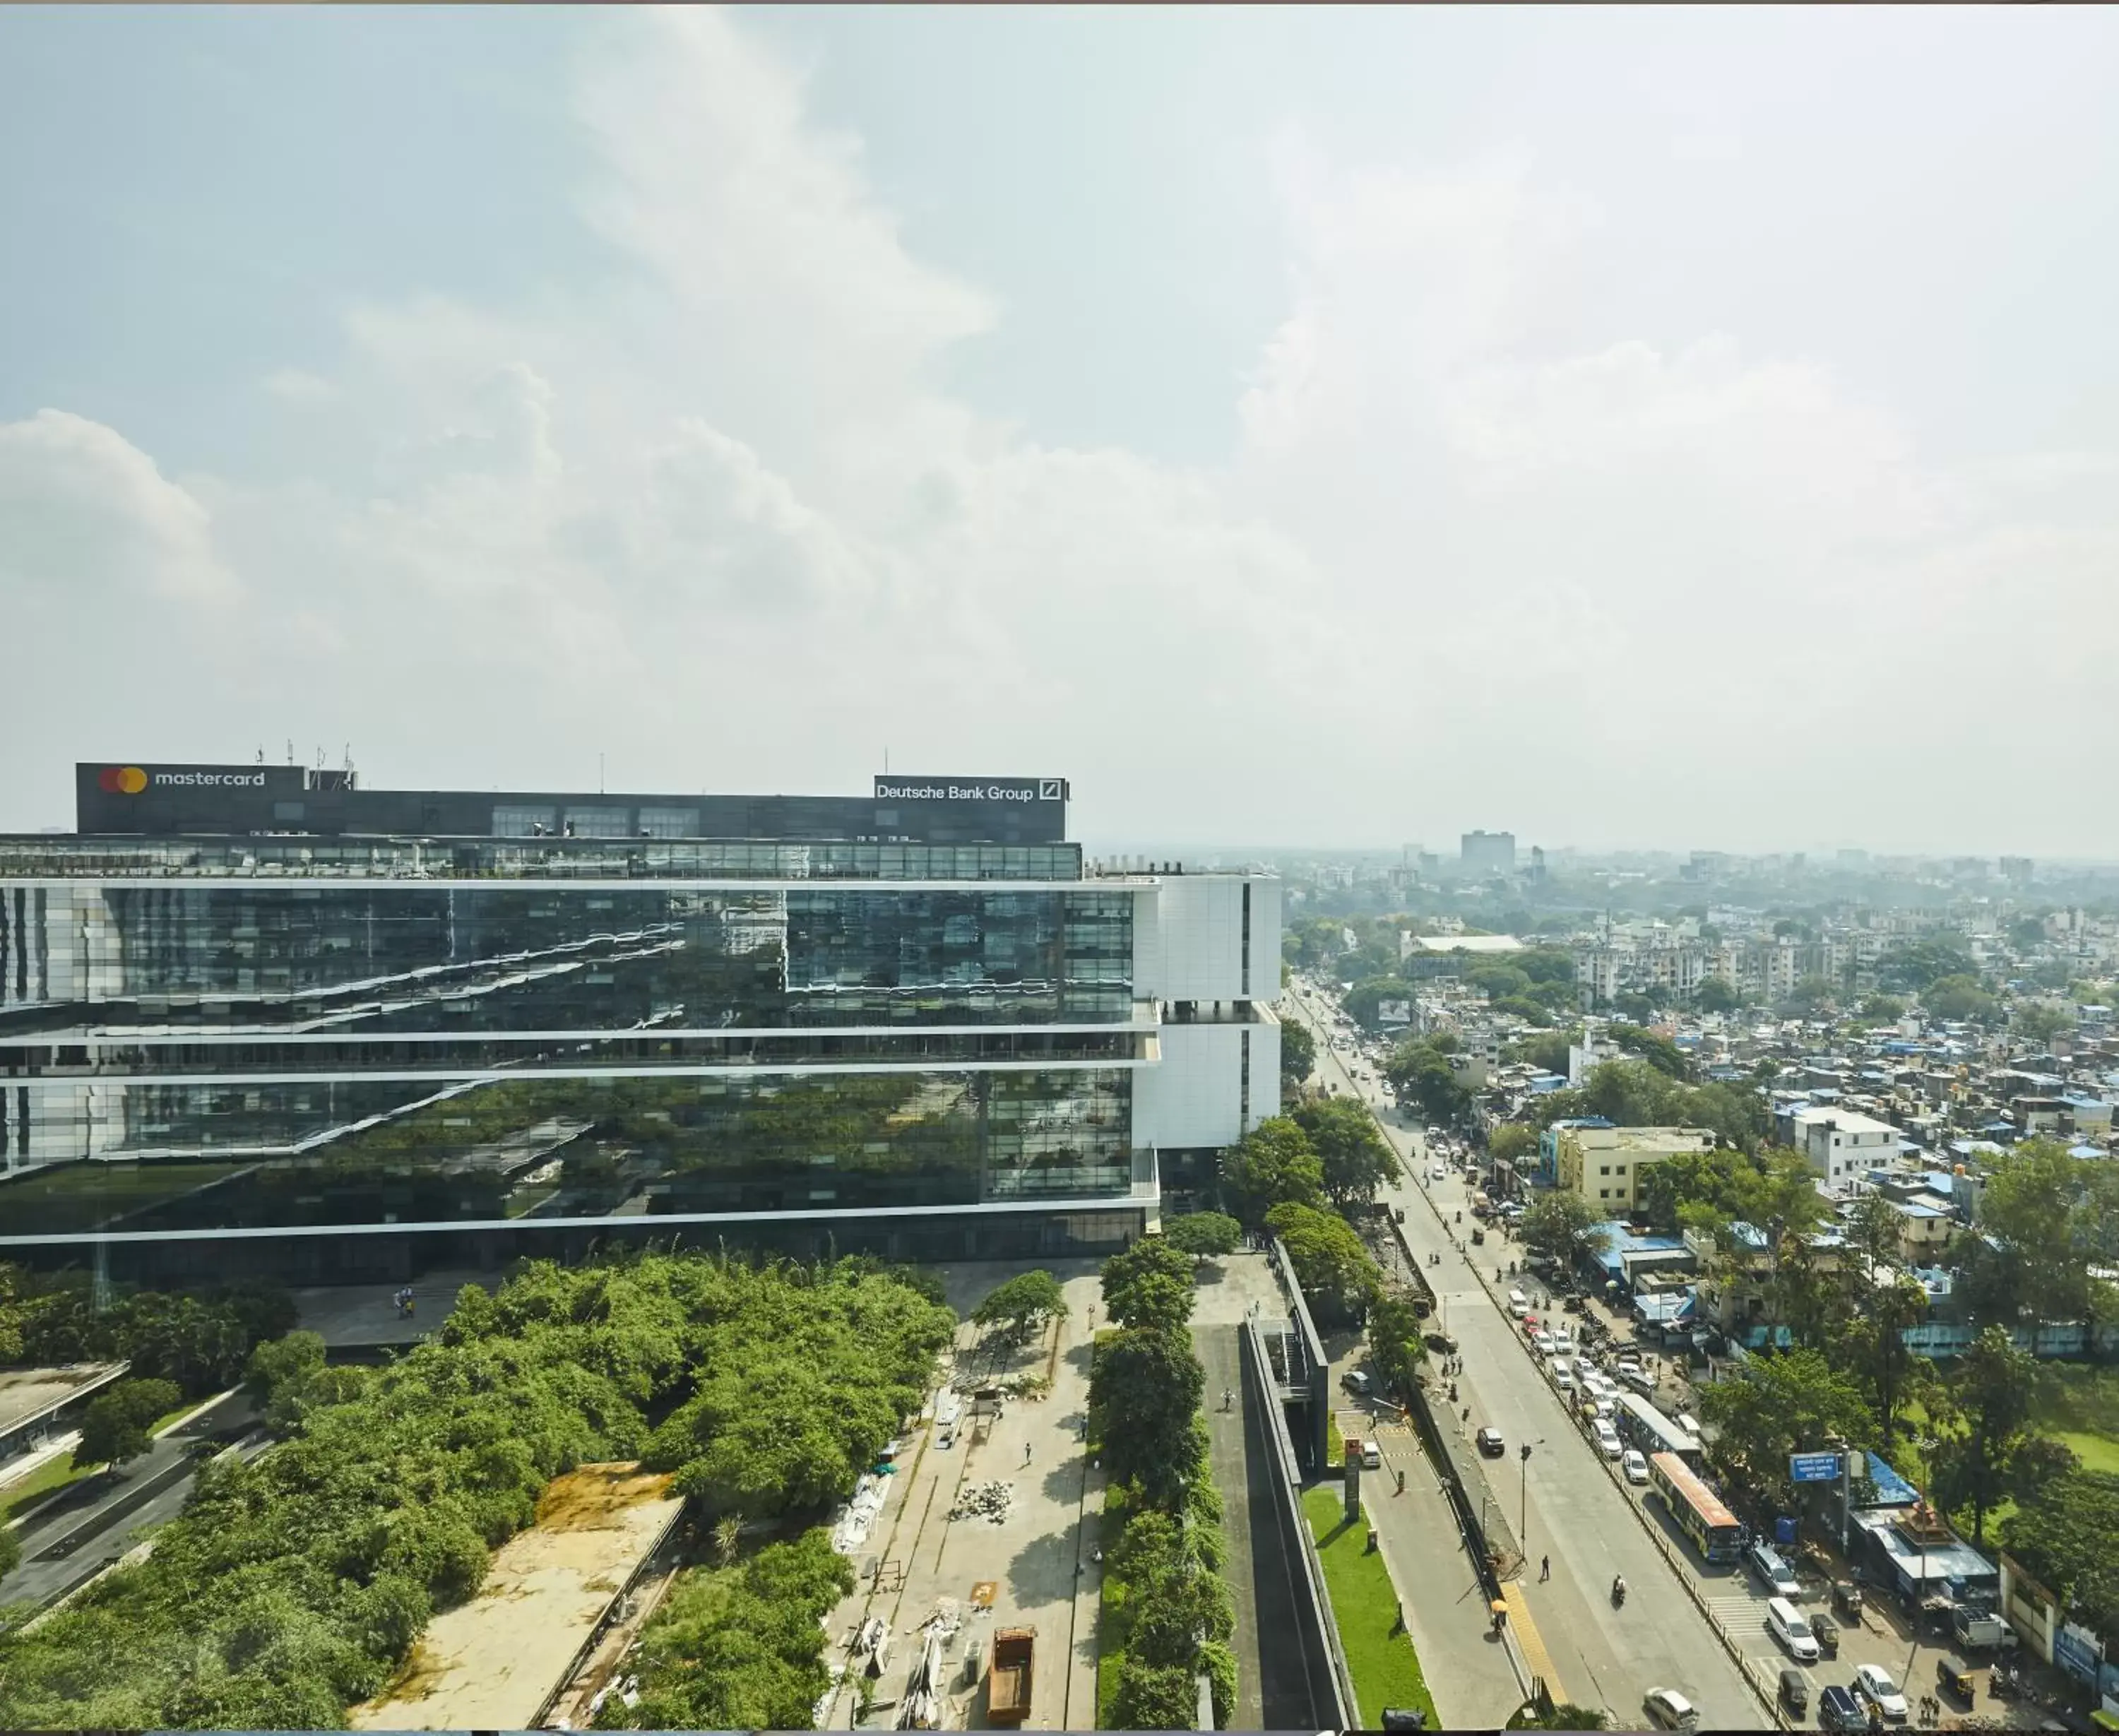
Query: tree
1149	1284
1200	1234
2038	1460
1660	1052
1564	1225
11	1550
1958	997
2028	1207
1023	1304
1884	1009
1331	1265
113	1428
1547	1051
1273	1162
1145	1386
1915	965
2039	1023
1154	1698
1794	1402
1886	1313
1715	995
1397	1342
1511	1142
1351	1153
2069	1539
1993	1386
1420	1070
1298	1053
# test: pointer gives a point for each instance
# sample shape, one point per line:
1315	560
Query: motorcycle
1618	1593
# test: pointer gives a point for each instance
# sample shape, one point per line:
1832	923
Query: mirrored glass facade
232	1036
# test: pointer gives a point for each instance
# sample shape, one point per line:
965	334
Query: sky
1665	428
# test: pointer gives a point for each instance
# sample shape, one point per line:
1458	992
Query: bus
1642	1425
1711	1526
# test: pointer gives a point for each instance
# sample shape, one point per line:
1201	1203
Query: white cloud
84	510
719	515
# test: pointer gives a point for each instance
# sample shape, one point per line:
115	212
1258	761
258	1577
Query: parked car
1874	1686
1668	1709
1773	1573
1491	1442
1795	1691
1634	1465
1372	1456
1356	1381
1837	1709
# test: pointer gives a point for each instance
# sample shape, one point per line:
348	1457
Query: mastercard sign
123	780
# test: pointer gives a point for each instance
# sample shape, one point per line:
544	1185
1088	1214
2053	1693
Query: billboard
889	787
1814	1467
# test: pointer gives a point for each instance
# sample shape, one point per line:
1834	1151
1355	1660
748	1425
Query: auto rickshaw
1955	1680
1478	1239
1847	1598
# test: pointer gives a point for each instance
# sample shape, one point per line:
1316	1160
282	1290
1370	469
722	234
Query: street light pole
1522	1521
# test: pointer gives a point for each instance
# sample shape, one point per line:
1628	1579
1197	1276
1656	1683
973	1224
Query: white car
1543	1340
1607	1439
1668	1709
1435	1171
1560	1366
1563	1383
1635	1466
1873	1683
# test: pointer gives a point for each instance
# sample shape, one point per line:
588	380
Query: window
596	822
522	822
1603	1168
669	822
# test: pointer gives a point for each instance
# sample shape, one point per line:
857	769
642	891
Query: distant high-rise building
1488	853
1537	861
2017	868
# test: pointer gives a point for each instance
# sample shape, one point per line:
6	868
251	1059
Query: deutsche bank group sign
889	789
1814	1467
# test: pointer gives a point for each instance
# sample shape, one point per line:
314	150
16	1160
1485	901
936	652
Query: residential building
1604	1165
259	1020
1481	854
1840	1144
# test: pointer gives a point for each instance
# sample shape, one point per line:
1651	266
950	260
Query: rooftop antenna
290	750
599	771
261	753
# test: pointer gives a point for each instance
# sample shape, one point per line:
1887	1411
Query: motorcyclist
1618	1588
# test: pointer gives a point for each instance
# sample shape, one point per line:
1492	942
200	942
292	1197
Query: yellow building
1604	1165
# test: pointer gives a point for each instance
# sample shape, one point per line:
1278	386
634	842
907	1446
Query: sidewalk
1468	1672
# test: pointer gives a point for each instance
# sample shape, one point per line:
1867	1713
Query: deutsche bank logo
1048	789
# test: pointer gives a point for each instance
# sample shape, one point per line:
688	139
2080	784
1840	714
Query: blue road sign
1814	1467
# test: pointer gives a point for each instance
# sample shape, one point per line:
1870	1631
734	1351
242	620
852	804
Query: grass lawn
1385	1668
54	1474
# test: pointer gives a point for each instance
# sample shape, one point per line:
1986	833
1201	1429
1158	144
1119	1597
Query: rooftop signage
889	789
132	780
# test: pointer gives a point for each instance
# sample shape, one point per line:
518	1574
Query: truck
1007	1681
1980	1630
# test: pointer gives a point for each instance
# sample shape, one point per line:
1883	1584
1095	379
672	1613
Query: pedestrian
1544	1568
1026	1453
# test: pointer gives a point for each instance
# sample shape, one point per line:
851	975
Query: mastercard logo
123	780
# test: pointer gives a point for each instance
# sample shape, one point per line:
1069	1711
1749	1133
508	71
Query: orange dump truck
1008	1683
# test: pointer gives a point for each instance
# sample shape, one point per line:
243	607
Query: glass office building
235	1038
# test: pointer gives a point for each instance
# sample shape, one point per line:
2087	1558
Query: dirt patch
595	1497
421	1675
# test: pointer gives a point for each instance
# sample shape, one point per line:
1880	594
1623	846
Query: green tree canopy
1023	1303
1421	1069
2069	1539
1334	1268
1796	1401
1273	1162
1992	1384
1716	995
1512	1142
1913	965
1354	1160
1958	997
1201	1233
1562	1225
1398	1343
114	1427
1149	1284
1145	1387
1298	1053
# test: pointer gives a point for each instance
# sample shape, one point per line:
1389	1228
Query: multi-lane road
1562	1499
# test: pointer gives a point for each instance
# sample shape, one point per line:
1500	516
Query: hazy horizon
1651	429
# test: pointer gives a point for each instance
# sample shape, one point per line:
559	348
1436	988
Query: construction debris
923	1707
985	1501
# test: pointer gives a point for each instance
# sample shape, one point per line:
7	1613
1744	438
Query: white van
1792	1630
1690	1423
1372	1456
1640	1379
1519	1303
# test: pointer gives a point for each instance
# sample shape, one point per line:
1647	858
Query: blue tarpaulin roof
1892	1490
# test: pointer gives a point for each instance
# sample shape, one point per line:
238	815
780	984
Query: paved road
80	1533
1562	1502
